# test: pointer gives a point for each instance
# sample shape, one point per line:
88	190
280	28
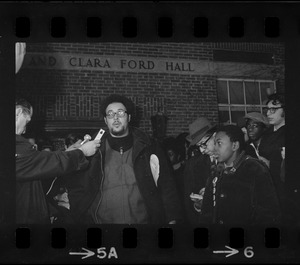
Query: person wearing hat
256	125
199	167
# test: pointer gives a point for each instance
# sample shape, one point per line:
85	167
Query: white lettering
113	253
101	252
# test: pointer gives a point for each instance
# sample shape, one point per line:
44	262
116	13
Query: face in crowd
275	113
173	157
23	117
117	119
225	149
254	130
207	144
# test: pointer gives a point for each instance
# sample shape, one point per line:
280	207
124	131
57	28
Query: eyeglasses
272	110
203	145
120	114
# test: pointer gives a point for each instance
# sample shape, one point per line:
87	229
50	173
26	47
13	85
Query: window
237	97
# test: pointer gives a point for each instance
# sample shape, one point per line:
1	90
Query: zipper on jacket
101	187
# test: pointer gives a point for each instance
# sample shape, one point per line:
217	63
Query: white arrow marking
231	251
87	254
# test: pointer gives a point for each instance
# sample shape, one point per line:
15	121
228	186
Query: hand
283	152
173	222
90	147
74	146
266	161
196	197
62	200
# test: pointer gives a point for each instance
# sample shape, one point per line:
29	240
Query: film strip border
192	22
152	243
129	27
169	21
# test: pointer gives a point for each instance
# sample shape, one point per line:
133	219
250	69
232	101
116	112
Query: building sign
66	61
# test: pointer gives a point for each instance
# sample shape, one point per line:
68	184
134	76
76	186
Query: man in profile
32	166
242	192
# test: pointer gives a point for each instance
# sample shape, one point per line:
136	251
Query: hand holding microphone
86	138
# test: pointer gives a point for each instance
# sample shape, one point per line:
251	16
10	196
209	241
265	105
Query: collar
236	163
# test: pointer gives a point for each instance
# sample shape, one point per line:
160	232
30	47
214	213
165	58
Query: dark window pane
252	93
236	92
237	113
266	88
224	115
222	92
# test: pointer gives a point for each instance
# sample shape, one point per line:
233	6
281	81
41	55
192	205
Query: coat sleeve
167	188
265	200
43	164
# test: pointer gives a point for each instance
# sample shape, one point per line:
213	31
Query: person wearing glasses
129	181
32	166
274	139
272	149
199	167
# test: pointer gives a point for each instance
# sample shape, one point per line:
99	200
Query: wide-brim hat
257	117
198	129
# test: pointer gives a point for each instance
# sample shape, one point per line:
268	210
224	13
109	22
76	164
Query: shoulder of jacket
255	162
140	135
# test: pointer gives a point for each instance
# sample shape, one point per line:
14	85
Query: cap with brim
198	129
257	117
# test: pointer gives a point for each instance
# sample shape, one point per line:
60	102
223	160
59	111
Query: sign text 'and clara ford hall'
67	61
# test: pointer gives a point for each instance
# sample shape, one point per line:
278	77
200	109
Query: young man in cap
242	193
129	180
256	125
198	168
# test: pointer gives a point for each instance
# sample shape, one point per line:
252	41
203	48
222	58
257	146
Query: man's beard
118	133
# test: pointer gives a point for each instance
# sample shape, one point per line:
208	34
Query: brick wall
65	95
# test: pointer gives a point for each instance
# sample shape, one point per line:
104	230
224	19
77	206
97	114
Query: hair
235	134
182	144
24	104
71	139
276	98
117	98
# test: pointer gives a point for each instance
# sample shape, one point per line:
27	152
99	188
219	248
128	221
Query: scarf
120	144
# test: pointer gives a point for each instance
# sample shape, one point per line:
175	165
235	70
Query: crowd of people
210	175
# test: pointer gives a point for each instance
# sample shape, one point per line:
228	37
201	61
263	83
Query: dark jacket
196	173
161	201
31	167
244	196
270	148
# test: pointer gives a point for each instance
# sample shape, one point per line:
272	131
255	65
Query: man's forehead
115	105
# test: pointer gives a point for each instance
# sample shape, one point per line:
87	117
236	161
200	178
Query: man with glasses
32	166
271	148
129	180
198	168
273	139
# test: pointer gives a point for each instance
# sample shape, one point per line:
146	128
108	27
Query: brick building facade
67	99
